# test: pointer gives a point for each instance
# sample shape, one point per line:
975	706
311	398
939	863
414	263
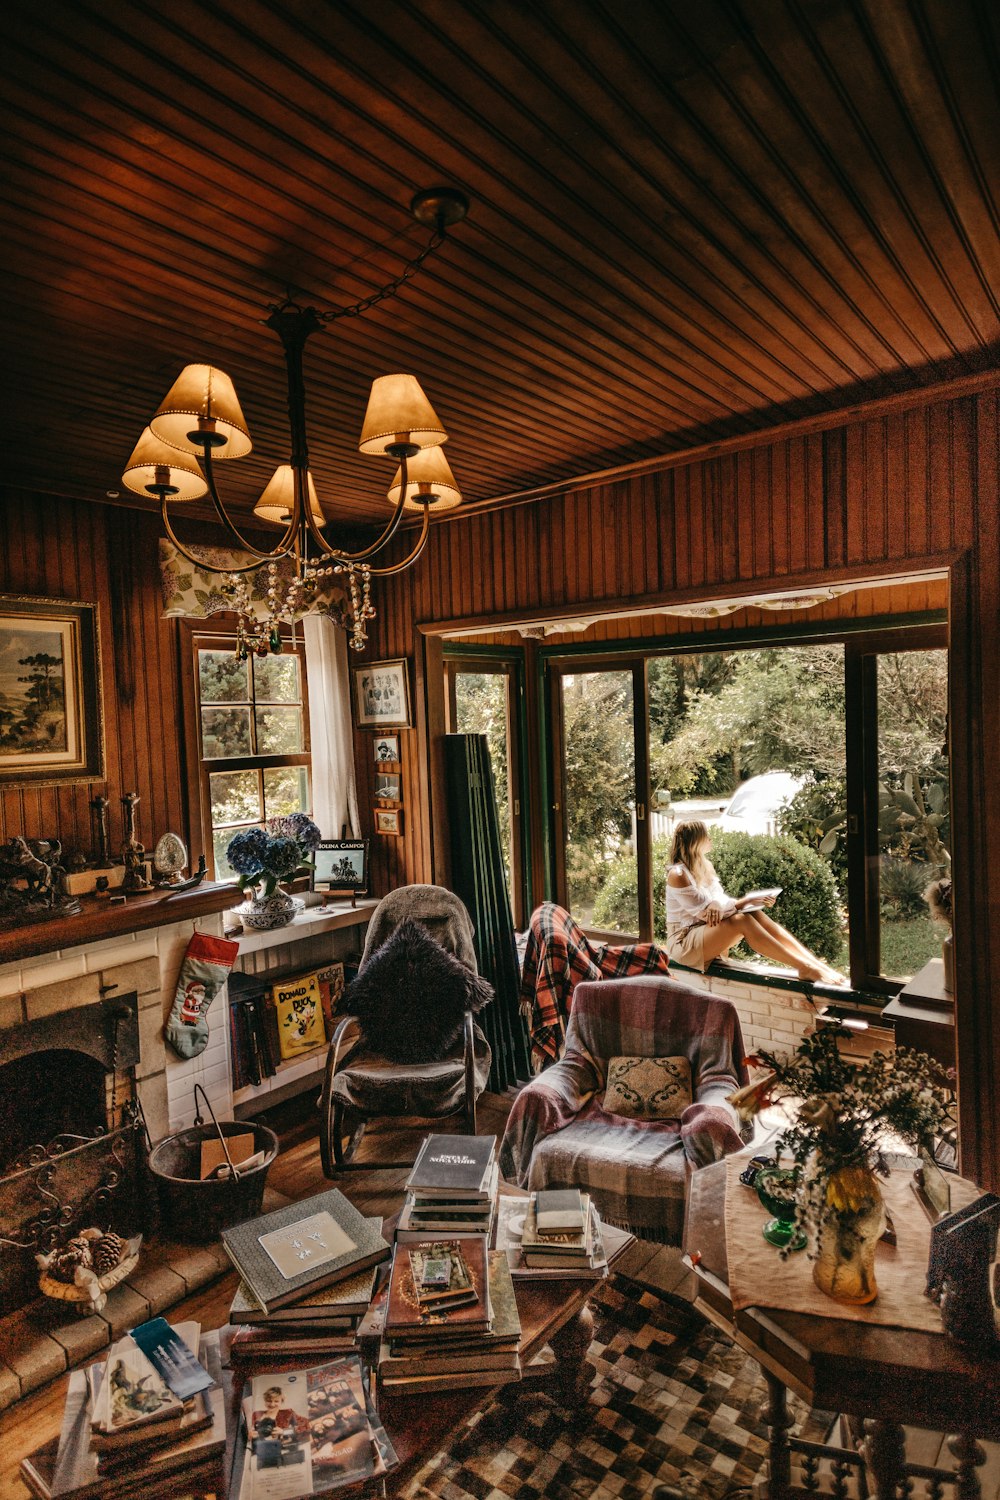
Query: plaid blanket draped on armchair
560	1135
558	956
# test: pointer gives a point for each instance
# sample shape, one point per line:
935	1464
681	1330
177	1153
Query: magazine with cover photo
308	1432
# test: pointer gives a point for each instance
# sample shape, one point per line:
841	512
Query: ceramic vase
847	1235
264	913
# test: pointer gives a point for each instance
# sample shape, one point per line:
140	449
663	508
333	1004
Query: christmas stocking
204	968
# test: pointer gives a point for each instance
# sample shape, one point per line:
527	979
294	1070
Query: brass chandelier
199	423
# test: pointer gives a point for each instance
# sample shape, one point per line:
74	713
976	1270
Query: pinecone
75	1252
108	1252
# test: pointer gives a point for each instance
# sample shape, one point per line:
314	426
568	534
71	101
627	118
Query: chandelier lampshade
202	404
429	481
399	414
154	466
278	500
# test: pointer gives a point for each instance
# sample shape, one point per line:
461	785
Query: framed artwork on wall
389	821
51	721
382	695
386	748
388	786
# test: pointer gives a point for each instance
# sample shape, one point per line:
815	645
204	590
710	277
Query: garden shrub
808	905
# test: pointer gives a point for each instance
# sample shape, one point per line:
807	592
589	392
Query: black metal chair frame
338	1144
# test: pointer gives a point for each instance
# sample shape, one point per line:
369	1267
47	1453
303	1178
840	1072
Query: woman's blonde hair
686	849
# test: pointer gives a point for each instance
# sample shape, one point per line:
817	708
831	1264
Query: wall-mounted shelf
309	923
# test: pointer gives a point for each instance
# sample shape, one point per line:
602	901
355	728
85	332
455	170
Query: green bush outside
808	905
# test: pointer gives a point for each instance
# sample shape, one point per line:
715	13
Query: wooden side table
884	1377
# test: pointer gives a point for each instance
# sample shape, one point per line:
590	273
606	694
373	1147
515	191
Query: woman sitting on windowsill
703	922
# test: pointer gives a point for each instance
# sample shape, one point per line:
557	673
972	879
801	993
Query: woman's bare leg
776	930
768	944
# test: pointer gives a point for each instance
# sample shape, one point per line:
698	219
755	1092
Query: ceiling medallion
200	423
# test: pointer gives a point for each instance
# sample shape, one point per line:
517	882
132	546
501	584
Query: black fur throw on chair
411	997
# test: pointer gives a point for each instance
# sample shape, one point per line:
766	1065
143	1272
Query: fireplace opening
72	1146
52	1093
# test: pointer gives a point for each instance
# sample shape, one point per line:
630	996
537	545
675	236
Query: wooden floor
297	1174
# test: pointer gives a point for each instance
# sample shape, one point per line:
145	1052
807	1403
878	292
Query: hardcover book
559	1208
576	1242
453	1165
409	1309
340	1304
303	1247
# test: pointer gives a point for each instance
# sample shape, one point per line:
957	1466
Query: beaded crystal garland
256	637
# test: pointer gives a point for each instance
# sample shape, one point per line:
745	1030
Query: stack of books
450	1320
324	1323
451	1189
148	1420
554	1233
307	1276
306	1432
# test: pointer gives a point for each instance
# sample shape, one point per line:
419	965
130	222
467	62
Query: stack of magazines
569	1242
450	1318
451	1189
149	1420
308	1431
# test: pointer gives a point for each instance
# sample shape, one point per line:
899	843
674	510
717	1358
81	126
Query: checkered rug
673	1402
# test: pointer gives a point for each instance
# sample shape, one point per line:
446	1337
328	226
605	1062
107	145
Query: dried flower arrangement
837	1138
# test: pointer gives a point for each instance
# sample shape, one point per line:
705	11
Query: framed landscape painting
51	726
382	695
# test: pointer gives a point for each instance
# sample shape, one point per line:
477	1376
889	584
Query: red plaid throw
558	956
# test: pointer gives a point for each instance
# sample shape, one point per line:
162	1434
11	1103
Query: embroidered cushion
648	1088
411	997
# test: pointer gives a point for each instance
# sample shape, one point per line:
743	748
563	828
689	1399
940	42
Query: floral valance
191	592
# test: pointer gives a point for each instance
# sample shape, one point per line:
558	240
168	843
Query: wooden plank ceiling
689	220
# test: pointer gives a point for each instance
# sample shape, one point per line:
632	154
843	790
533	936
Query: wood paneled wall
881	495
56	548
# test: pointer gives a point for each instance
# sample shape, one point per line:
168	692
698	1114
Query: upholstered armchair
406	1042
564	1132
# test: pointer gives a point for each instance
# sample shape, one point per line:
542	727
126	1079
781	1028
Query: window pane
225	732
599	763
286	790
222	678
220	842
279	731
276	679
753	743
235	797
914	832
481	708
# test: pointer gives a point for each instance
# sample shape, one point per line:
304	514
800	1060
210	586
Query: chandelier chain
330	315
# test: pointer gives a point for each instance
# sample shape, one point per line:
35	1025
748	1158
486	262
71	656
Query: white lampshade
276	503
155	462
200	391
428	478
399	412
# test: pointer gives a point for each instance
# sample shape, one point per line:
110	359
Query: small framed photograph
382	695
51	726
389	821
341	865
387	786
386	749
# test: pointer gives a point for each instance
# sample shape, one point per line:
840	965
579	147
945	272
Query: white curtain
334	788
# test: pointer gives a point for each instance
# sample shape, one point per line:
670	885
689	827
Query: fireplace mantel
99	918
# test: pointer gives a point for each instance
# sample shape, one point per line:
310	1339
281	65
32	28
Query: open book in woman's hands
755	900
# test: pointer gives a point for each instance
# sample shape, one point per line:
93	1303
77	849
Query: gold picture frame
51	709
